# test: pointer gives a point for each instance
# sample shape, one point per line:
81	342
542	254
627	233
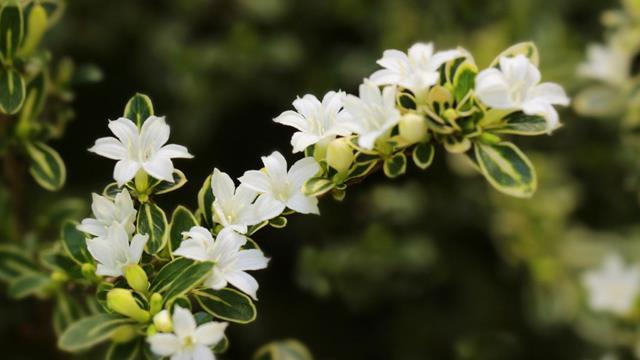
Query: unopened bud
413	128
124	334
151	330
59	276
340	154
450	115
489	138
122	302
162	321
155	303
136	278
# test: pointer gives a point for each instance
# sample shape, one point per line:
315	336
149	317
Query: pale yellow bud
413	128
136	278
155	303
124	334
162	321
340	154
122	302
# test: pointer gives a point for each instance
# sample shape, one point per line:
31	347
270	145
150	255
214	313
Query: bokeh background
435	265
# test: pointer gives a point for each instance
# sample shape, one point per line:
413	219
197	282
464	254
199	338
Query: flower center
188	342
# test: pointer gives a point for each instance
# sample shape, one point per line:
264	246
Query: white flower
315	121
515	86
234	208
188	341
137	149
107	212
280	189
417	70
230	260
114	253
608	63
372	114
614	287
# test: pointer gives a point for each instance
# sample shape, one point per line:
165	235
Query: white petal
266	207
136	247
293	119
244	195
164	344
183	322
103	270
492	89
103	208
252	259
101	251
192	249
244	282
301	171
125	170
125	130
201	352
550	93
222	186
159	167
276	166
93	227
256	180
367	140
154	133
300	141
303	204
210	333
216	280
174	151
385	77
442	57
109	147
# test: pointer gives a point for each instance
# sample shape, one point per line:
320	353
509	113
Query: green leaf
181	220
163	187
456	145
111	190
152	221
527	49
13	263
138	109
464	80
221	346
29	284
53	259
125	351
361	169
317	186
423	155
12	91
507	169
519	123
278	222
36	27
91	331
65	312
289	349
205	202
179	277
47	167
395	165
75	243
11	29
227	304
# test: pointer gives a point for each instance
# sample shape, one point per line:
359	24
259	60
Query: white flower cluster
614	287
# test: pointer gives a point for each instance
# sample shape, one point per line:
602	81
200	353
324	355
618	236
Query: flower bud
162	321
59	276
124	334
155	303
450	115
136	278
340	154
122	302
413	128
151	330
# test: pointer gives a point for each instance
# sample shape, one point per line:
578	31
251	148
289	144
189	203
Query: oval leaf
205	202
181	220
519	123
47	167
11	29
138	109
153	222
227	304
395	165
507	169
527	49
179	277
289	349
12	91
423	155
317	186
13	263
91	331
29	284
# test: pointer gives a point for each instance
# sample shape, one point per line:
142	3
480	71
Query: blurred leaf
91	331
29	284
289	349
11	28
47	167
12	90
13	263
75	243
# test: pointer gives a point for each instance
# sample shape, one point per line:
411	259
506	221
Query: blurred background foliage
435	265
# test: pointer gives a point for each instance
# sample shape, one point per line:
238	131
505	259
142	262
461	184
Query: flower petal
244	282
154	133
303	204
174	151
125	170
222	186
164	344
251	259
136	247
183	322
160	167
192	249
256	180
210	333
125	130
109	147
303	170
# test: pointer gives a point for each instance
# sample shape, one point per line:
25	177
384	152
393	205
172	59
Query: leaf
13	263
11	29
227	304
163	187
519	123
395	165
205	202
464	80
36	26
181	220
423	155
278	222
53	259
138	109
91	331
289	349
317	186
12	91
600	101
29	284
111	190
221	346
47	167
361	169
75	243
527	49
65	312
125	351
179	277
507	169
152	221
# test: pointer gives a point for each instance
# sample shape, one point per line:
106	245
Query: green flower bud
413	128
59	276
489	138
122	302
124	334
162	321
340	154
151	330
136	278
155	303
450	115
